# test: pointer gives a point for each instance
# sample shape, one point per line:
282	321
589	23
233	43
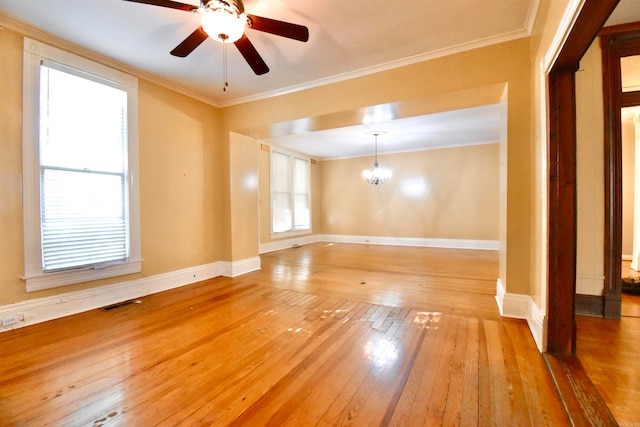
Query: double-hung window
80	169
290	193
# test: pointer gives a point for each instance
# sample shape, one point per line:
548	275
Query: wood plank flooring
321	335
610	353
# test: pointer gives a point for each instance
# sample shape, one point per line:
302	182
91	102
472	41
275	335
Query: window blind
281	203
301	193
290	193
83	170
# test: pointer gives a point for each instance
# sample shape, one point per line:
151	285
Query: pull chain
224	38
224	64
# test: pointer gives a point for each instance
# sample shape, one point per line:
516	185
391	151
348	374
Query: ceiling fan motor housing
235	5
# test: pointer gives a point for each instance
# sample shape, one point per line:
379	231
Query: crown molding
44	37
489	41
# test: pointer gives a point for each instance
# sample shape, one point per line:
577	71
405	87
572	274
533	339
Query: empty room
317	213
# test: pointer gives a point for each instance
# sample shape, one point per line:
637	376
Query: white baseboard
237	268
278	245
520	306
40	310
537	321
500	293
515	306
380	240
413	241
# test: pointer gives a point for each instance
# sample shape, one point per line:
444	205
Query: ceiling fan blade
167	3
251	55
279	28
189	44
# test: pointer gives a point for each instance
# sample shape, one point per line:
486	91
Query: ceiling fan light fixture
223	24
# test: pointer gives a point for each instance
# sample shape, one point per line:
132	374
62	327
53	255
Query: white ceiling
347	39
439	130
626	11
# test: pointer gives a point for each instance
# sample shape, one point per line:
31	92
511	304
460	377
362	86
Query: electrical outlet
10	320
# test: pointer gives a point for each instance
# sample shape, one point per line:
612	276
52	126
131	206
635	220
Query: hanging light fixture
377	175
224	21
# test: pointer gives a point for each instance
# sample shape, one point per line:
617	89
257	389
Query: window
290	193
80	169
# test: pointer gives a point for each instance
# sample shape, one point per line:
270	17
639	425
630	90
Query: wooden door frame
561	336
616	42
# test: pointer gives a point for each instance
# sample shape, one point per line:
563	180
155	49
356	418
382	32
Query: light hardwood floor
321	335
610	353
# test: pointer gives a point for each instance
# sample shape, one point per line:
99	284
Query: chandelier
377	175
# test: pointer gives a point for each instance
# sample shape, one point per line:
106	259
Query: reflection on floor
320	335
610	352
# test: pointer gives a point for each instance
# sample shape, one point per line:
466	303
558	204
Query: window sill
42	281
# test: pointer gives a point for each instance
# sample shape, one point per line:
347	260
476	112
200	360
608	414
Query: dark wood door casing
562	212
616	42
562	175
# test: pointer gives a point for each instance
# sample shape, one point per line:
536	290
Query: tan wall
506	63
180	176
548	19
244	152
446	193
264	168
590	174
180	180
628	185
11	242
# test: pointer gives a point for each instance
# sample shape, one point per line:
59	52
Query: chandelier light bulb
377	175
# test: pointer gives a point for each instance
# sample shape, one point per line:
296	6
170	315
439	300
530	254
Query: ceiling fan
225	22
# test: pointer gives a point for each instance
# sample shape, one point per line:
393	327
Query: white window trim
33	54
293	232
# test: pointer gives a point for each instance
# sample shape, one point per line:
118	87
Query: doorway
630	298
561	269
620	57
